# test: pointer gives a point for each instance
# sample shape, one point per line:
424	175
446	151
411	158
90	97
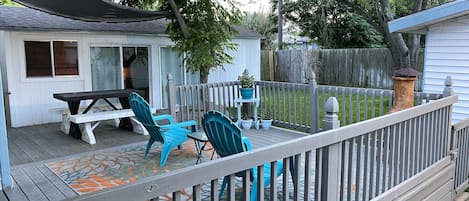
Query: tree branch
179	19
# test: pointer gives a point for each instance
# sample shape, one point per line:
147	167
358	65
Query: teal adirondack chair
226	138
170	135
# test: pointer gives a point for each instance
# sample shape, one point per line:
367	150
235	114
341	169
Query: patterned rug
105	169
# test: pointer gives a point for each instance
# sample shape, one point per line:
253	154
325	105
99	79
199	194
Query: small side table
199	137
239	102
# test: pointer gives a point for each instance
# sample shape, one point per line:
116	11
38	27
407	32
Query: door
120	68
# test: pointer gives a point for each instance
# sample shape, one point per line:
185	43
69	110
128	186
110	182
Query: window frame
53	77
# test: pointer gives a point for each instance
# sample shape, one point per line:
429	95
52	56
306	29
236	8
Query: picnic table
73	101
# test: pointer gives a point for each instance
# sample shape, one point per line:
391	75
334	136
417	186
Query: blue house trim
4	159
417	23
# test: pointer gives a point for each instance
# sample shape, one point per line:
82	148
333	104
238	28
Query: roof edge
417	22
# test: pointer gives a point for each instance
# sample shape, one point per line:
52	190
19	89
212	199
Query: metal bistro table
73	100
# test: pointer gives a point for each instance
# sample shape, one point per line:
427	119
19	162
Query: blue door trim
4	159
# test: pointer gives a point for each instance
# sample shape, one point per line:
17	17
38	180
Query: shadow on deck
33	146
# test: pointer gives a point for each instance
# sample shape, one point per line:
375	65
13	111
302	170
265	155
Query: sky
254	5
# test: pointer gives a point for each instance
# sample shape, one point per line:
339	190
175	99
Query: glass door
106	70
135	68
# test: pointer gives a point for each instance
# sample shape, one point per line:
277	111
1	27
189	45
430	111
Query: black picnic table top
77	96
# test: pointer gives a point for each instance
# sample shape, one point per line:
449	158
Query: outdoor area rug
96	171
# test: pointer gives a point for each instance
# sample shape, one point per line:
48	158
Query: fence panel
365	67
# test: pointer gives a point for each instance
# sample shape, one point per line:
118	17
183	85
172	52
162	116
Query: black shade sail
93	10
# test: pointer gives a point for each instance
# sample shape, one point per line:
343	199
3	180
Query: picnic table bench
122	116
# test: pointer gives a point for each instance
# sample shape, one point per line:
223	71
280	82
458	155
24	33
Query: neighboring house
42	54
446	30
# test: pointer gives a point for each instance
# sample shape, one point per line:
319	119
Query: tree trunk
413	41
395	41
203	77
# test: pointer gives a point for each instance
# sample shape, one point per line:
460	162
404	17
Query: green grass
293	106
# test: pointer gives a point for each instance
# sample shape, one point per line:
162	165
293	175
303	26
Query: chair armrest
164	117
180	124
247	143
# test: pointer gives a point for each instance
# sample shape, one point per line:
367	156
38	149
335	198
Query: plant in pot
247	84
246	121
266	119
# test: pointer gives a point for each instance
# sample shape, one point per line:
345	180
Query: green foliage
211	25
246	80
263	24
211	28
8	3
143	4
332	24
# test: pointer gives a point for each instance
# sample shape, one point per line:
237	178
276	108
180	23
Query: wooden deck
31	147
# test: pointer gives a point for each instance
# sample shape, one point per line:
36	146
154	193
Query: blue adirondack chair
170	135
226	138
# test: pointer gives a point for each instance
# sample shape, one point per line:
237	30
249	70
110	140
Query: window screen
38	59
49	59
65	58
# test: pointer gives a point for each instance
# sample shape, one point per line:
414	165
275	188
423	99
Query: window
51	58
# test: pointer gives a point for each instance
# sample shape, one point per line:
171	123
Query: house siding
447	54
31	100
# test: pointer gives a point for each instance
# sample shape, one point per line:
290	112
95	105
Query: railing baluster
372	165
349	169
307	179
177	196
196	193
318	180
247	185
399	161
289	103
357	110
366	143
286	171
365	105
381	102
296	177
214	190
402	151
358	169
273	181
231	188
386	134
343	111
342	174
260	182
379	145
350	97
373	103
395	136
295	109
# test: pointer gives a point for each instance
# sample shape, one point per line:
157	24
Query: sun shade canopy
93	10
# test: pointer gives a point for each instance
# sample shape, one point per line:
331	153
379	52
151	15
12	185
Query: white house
446	30
42	54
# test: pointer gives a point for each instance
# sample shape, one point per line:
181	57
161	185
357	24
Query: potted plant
246	122
266	119
247	84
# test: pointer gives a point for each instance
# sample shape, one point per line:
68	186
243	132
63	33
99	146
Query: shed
446	30
42	54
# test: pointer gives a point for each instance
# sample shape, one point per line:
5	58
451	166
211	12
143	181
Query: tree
210	28
377	14
262	23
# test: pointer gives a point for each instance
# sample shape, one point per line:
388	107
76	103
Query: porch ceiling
94	10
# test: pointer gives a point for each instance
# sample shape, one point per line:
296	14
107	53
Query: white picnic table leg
87	134
138	127
65	126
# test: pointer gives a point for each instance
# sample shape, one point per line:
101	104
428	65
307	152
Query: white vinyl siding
31	100
447	54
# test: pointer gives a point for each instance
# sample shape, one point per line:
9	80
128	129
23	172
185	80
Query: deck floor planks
15	193
50	144
59	184
28	186
3	197
44	184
